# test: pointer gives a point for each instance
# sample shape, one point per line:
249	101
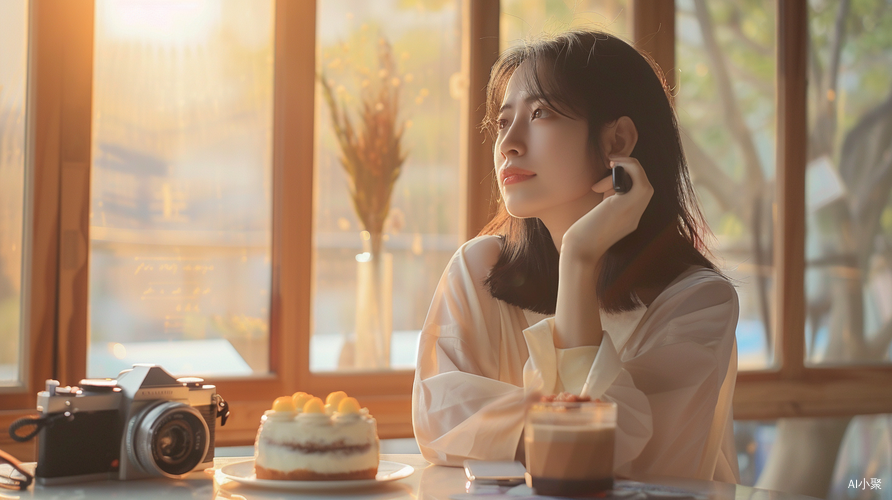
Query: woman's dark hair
599	78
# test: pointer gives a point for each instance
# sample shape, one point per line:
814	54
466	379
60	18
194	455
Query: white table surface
428	482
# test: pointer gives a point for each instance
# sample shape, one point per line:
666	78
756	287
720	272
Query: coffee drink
569	448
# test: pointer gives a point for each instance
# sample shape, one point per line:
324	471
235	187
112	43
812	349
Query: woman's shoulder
701	276
698	286
479	255
483	247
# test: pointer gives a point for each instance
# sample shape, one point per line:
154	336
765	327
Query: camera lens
167	439
173	442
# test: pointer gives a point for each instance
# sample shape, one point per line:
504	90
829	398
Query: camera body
145	423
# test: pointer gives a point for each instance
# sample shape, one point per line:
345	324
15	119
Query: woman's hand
612	219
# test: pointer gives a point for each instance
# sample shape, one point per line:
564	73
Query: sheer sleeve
459	415
465	403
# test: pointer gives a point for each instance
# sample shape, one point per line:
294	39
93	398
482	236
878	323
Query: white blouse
670	368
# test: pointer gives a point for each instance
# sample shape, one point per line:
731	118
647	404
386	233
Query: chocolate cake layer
339	447
308	475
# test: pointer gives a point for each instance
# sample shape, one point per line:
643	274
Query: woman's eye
502	124
540	113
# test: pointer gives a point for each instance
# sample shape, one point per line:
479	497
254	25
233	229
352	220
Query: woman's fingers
632	167
611	220
634	170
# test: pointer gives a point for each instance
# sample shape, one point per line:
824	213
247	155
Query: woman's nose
512	144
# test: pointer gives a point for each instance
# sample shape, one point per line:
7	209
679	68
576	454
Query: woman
573	287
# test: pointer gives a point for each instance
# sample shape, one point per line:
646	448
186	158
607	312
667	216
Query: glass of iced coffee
569	447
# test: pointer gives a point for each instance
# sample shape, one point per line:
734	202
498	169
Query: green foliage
731	226
745	34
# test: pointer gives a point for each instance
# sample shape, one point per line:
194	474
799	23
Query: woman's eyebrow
531	99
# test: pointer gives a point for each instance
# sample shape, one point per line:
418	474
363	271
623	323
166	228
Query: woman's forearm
577	318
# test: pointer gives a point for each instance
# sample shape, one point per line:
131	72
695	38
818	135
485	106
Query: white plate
243	472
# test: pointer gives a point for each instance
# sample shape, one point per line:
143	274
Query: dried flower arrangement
371	153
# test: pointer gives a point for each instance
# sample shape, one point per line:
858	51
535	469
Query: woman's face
543	159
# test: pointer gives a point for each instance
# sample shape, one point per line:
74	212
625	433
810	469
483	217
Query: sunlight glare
160	22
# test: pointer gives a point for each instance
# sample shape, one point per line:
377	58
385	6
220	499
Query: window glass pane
402	59
523	19
13	84
725	102
753	441
848	277
180	214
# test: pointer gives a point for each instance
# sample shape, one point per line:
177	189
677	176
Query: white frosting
281	416
278	440
285	459
313	419
346	418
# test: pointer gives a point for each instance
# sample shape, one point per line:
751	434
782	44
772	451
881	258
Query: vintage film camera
145	423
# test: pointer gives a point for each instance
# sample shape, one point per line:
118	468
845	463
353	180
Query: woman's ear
620	137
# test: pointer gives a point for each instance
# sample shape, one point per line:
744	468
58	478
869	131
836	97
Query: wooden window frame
62	91
792	389
60	96
59	49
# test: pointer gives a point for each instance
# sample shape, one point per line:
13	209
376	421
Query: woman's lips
515	178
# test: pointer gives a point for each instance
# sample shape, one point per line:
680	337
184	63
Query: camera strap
38	423
222	409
